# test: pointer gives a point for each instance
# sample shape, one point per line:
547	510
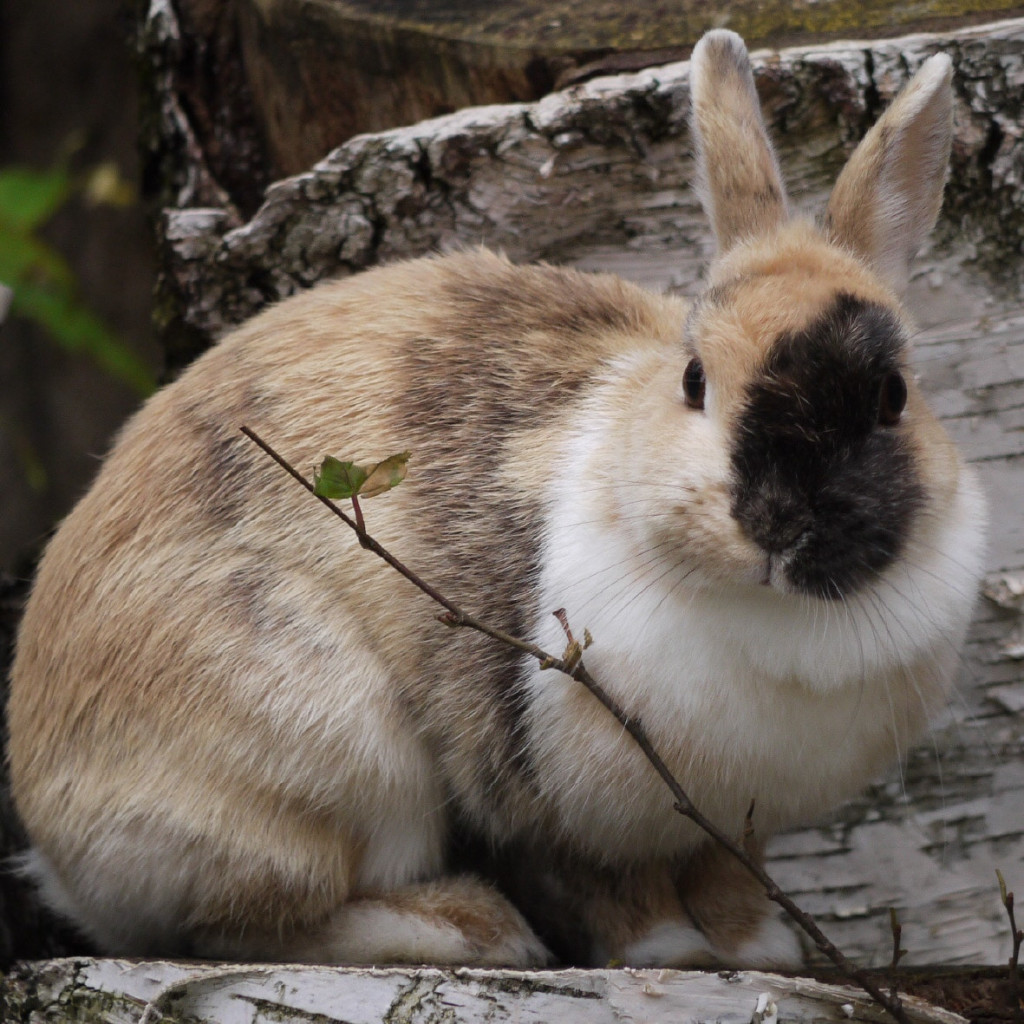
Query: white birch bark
129	992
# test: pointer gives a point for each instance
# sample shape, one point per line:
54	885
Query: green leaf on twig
337	480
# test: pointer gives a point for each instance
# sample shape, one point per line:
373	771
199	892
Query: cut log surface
598	176
127	992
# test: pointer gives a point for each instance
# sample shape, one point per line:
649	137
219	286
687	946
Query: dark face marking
823	478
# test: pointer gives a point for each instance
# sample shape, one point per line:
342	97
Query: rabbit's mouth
773	574
777	575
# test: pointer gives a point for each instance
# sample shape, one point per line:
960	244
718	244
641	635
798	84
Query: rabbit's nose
774	523
785	529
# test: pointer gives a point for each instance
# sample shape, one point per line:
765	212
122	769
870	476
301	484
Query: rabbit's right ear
888	196
738	177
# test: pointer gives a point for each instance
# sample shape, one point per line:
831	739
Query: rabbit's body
233	732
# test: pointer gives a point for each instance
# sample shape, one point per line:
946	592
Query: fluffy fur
234	733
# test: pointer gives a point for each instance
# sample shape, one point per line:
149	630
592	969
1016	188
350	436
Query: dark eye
693	384
892	397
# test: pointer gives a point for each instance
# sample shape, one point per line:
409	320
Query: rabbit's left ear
889	194
738	175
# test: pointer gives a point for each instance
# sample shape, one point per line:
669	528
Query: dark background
68	90
68	95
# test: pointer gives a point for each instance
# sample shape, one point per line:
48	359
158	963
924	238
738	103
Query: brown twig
455	615
897	951
572	665
749	834
1017	938
357	508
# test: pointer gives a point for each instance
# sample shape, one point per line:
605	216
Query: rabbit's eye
693	384
891	399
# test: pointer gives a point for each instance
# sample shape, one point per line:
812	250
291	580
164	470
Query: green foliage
44	287
336	479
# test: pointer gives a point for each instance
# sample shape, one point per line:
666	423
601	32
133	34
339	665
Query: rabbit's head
806	460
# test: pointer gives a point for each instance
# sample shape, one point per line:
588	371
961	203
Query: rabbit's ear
889	194
738	177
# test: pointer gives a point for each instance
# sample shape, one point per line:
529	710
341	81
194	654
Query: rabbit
236	734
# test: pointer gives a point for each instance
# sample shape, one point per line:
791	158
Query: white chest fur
748	694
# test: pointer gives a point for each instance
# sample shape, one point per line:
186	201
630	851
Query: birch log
598	176
128	992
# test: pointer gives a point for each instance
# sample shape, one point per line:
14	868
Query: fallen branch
572	665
